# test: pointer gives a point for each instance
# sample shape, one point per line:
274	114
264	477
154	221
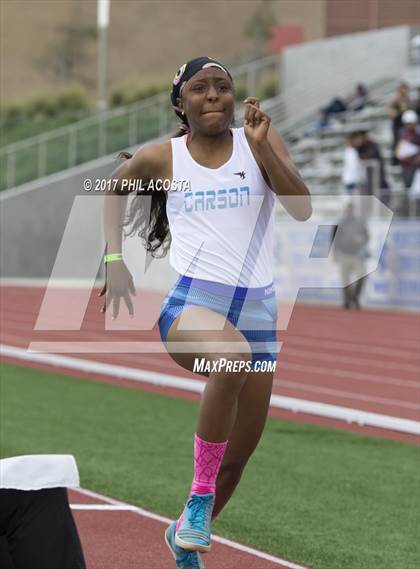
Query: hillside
148	40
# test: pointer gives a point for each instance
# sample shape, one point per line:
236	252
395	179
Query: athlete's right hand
118	284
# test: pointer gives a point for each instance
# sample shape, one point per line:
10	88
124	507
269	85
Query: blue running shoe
194	531
183	559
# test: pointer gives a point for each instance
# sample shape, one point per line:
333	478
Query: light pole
103	21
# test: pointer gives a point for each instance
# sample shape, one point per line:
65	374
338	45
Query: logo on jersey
179	74
220	199
240	174
269	290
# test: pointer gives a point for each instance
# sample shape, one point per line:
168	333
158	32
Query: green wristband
113	257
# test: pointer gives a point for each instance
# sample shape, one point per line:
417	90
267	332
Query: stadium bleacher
319	153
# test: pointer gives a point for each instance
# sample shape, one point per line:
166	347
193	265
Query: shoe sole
192	546
169	546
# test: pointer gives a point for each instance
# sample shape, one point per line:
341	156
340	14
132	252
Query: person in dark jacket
368	150
400	103
408	149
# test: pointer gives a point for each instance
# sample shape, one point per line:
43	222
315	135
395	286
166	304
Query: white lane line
365	332
363	418
165	520
359	361
349	346
197	386
329	371
103	507
346	394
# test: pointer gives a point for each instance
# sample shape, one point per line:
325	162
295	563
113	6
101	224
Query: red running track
117	538
366	360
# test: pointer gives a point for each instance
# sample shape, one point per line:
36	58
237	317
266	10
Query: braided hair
153	228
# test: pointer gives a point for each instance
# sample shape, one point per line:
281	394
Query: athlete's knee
238	350
230	369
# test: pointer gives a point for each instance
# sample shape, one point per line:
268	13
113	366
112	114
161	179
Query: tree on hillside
70	53
259	27
65	57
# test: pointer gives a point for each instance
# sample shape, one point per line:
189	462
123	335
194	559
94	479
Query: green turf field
327	498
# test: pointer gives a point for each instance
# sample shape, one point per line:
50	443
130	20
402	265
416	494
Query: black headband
184	73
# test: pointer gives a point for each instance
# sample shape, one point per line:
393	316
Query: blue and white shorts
253	311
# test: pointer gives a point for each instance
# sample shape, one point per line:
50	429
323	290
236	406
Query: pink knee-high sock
207	460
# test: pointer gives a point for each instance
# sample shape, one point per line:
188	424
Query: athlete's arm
276	165
148	163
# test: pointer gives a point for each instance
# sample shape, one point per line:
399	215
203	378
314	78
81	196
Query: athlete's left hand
256	122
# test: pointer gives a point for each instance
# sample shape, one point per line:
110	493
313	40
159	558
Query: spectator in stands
400	103
354	175
356	102
418	104
367	149
414	195
349	242
335	107
359	99
408	149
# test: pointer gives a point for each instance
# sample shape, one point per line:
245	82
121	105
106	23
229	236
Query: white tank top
222	226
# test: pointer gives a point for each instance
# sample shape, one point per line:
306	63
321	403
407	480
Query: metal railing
84	140
108	132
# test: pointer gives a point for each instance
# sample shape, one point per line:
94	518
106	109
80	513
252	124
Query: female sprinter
223	306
